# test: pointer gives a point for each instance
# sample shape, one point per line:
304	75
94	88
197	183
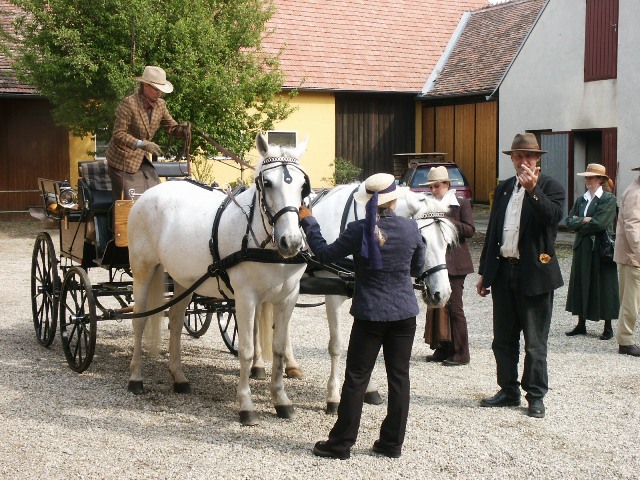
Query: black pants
515	312
458	349
396	340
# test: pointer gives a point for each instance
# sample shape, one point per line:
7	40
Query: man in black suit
519	264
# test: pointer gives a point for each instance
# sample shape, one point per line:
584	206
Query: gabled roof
362	45
477	59
9	84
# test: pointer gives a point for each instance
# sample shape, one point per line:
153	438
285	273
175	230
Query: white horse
337	208
170	230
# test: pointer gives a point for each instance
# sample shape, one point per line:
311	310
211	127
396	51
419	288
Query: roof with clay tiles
362	45
484	50
9	84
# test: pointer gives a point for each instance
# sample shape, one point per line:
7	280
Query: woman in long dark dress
593	287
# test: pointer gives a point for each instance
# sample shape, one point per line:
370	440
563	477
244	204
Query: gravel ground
57	424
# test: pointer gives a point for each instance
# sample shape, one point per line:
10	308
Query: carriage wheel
197	318
229	327
45	287
78	321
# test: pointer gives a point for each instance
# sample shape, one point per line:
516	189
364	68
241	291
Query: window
284	139
601	40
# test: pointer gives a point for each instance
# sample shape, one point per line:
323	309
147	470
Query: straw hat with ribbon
594	170
157	78
376	190
437	175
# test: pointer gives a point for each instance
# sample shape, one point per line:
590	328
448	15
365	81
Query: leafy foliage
84	55
344	172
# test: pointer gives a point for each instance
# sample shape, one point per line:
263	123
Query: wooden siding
610	152
467	132
31	146
370	129
601	40
556	163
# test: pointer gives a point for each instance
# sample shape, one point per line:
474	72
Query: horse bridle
435	217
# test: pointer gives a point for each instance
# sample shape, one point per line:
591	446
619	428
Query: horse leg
281	315
176	321
245	318
258	371
291	367
144	281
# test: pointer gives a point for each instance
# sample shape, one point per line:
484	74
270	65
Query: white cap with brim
157	78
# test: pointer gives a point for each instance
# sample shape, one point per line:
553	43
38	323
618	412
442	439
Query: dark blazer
132	124
459	259
541	213
380	295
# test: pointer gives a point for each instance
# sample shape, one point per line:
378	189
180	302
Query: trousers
515	312
396	340
458	349
629	280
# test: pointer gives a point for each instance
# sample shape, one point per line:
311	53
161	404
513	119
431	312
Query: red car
416	175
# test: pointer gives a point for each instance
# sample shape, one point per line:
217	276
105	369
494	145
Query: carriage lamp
68	197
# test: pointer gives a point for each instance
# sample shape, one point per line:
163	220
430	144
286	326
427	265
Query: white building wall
545	87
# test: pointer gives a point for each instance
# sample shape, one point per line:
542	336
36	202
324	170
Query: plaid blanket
96	175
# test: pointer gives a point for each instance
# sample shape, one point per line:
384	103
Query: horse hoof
332	408
135	387
249	418
294	372
259	373
284	411
183	387
372	398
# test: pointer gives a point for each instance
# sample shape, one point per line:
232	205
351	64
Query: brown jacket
627	251
459	259
132	124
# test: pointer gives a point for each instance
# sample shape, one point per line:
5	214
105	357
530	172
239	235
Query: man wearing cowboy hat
627	256
138	117
519	264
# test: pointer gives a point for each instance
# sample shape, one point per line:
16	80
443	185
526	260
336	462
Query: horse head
439	234
282	184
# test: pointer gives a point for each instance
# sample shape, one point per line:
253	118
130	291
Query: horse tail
265	330
156	298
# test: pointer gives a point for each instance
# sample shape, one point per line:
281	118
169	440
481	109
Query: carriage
61	289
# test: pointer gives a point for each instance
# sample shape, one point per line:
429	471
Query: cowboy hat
524	142
384	184
594	170
157	78
438	175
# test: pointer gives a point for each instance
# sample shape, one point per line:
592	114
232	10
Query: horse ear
413	202
302	146
261	144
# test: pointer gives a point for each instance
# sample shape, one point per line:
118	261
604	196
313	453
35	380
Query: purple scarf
370	246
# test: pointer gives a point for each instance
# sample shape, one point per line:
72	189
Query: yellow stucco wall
79	148
313	117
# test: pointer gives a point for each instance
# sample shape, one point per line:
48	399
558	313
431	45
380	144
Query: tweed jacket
380	295
133	124
602	212
459	258
541	213
627	251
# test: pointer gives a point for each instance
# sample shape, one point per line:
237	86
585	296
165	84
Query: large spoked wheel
228	327
45	287
197	318
78	321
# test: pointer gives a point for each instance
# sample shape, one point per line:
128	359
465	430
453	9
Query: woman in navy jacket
387	250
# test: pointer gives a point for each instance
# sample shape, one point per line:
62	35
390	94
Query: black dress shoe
321	449
501	399
387	451
577	330
453	363
433	358
536	408
632	350
606	335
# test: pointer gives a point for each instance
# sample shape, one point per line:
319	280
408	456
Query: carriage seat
95	185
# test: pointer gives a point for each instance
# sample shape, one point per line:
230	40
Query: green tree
344	172
84	54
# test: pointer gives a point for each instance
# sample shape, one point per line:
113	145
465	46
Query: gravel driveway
57	424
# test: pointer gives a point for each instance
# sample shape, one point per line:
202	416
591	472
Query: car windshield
420	177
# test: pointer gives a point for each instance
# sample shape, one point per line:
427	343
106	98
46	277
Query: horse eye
267	184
